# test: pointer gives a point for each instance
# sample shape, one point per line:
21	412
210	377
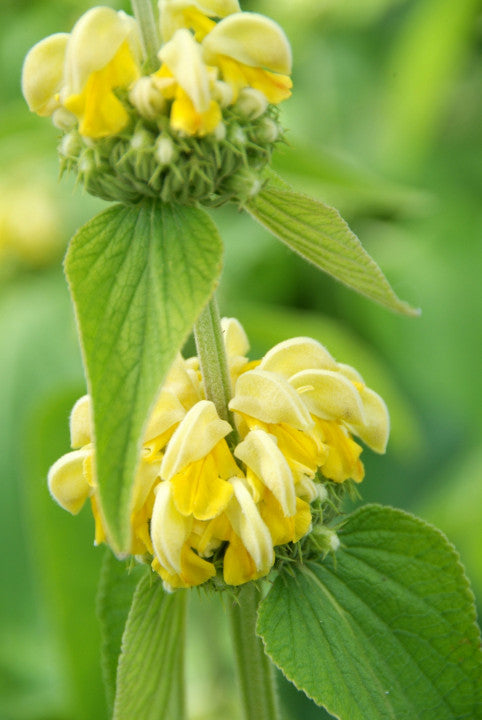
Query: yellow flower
193	15
72	479
76	75
251	51
42	74
287	516
334	399
198	507
185	78
103	54
198	463
237	345
175	560
266	401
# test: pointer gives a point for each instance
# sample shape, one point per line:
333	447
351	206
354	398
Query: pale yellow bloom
335	403
75	76
266	401
237	345
185	79
72	479
250	551
273	485
103	54
198	463
175	560
43	72
251	51
200	508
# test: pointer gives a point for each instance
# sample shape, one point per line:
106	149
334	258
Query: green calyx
149	159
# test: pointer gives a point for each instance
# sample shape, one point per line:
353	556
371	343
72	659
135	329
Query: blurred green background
385	125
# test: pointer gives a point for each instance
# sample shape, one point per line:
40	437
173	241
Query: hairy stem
255	670
144	15
212	357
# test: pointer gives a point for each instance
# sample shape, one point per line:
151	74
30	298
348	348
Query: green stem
144	15
255	670
212	357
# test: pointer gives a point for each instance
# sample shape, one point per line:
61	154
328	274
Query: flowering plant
219	471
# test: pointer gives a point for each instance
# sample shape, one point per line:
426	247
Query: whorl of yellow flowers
222	73
203	508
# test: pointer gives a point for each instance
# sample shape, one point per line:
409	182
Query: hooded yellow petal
183	383
99	110
195	437
249	527
182	55
375	429
169	529
95	40
42	73
269	398
297	354
146	477
329	395
167	412
349	372
261	454
251	39
81	423
67	482
235	339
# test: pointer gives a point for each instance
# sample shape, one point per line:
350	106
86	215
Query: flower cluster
201	506
184	132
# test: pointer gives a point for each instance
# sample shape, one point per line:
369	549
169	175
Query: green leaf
139	277
385	630
319	234
116	589
150	673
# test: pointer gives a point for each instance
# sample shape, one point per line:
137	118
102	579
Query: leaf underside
114	598
319	234
150	671
139	277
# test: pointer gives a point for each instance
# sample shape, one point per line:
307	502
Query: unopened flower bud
245	184
326	539
142	140
63	119
321	492
87	163
251	103
70	145
220	132
237	136
223	93
267	131
165	153
147	98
